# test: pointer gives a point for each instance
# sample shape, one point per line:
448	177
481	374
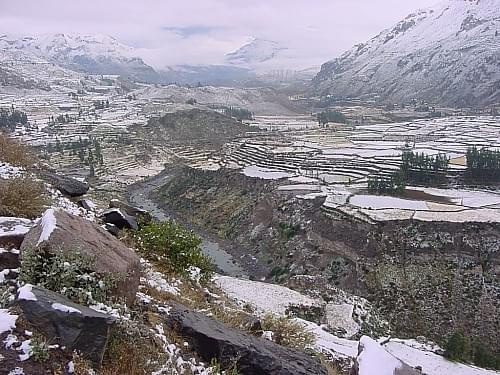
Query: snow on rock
25	293
264	297
265	173
374	359
7	321
431	363
8	171
327	343
49	223
14	226
64	308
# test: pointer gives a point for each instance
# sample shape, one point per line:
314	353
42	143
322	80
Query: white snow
374	359
26	349
382	201
14	225
25	293
48	223
432	364
64	308
265	173
264	297
7	321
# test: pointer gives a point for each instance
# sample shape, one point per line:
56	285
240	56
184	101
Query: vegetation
15	153
393	185
239	114
132	350
483	165
170	246
288	332
419	168
72	275
23	197
288	230
9	118
331	116
460	347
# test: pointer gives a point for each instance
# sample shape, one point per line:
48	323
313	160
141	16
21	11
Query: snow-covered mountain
449	54
95	54
256	51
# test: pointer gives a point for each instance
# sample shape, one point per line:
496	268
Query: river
139	195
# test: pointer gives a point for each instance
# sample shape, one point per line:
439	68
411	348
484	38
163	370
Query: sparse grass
23	197
16	153
132	350
288	332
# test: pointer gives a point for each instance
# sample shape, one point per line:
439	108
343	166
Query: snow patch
48	223
374	359
25	293
7	321
64	308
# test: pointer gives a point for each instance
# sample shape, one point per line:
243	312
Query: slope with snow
447	54
95	54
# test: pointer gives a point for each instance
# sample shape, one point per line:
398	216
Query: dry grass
132	350
23	197
288	332
16	153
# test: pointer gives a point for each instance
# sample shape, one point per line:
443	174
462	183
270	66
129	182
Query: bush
23	197
15	153
171	246
72	275
458	347
132	350
288	332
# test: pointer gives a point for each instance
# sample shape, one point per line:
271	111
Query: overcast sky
172	32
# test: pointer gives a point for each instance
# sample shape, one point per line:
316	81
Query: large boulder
65	323
119	219
374	359
59	231
253	355
66	185
140	215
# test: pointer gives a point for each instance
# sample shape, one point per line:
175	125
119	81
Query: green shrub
289	230
72	275
171	246
458	347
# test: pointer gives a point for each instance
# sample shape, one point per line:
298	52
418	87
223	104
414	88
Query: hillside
448	54
95	54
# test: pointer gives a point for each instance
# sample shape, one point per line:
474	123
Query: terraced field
335	163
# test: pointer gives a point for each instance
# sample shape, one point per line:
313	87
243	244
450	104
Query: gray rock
66	185
120	219
63	322
140	215
253	355
75	235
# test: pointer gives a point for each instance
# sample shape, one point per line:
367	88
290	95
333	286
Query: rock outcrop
140	215
65	323
252	355
119	219
59	231
66	185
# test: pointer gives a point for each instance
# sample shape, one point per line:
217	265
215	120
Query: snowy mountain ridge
448	53
95	54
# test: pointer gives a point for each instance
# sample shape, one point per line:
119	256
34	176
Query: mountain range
447	54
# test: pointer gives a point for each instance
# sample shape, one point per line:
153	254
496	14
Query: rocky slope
448	54
427	279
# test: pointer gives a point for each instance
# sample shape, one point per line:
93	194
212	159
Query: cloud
170	32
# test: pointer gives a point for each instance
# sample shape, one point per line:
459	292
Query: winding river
140	195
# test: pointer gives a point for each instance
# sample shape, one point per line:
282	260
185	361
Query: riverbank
142	194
